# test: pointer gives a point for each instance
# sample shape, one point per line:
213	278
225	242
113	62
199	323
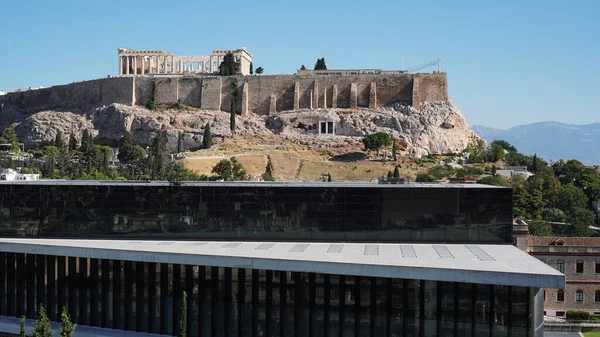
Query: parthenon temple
154	62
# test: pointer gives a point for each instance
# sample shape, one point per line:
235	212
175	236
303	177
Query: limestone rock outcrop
437	128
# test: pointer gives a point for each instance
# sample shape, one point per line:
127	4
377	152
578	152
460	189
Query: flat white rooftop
486	264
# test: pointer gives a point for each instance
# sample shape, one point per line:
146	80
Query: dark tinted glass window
381	213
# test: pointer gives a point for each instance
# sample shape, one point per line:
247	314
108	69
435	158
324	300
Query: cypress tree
22	327
66	325
72	142
207	140
396	172
58	141
328	177
179	142
268	175
42	324
183	319
394	151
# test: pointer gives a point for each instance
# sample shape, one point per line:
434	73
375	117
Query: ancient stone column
127	66
143	65
181	66
273	105
334	96
316	94
373	96
245	99
120	65
297	96
172	64
353	95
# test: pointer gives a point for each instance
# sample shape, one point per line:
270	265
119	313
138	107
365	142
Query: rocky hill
438	128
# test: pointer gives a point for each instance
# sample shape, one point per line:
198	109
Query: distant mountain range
550	140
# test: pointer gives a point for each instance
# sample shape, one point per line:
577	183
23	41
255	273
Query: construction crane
413	69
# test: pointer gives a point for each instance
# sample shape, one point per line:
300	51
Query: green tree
569	172
540	228
41	327
329	177
396	172
493	180
268	175
67	328
394	151
259	70
10	136
234	95
251	69
157	156
230	170
72	142
424	178
22	327
229	66
302	67
469	172
503	144
376	141
521	202
320	64
183	319
590	185
179	142
128	152
568	198
207	140
58	141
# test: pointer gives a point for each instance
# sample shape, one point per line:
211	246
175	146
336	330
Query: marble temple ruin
154	62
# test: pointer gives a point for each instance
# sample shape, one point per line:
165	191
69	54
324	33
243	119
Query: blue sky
508	62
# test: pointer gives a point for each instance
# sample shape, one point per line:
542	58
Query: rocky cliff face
438	128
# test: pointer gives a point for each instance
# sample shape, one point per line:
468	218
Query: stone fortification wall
256	94
76	95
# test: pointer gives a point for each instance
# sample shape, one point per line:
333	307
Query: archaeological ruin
160	78
160	62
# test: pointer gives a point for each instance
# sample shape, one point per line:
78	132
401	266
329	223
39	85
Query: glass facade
265	212
236	302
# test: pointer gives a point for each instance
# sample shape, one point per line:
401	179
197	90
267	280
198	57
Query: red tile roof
567	241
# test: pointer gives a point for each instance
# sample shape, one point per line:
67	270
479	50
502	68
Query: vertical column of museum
72	290
20	284
94	281
61	285
40	280
51	287
3	273
129	295
84	283
30	273
176	298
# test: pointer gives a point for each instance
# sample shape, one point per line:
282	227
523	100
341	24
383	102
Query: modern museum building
269	259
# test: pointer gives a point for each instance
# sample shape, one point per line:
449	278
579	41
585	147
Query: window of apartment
560	313
597	267
560	296
560	266
579	296
544	295
597	296
579	268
